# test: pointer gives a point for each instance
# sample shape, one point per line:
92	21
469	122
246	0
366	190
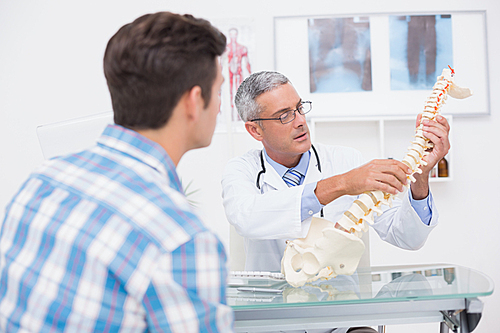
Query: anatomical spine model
328	251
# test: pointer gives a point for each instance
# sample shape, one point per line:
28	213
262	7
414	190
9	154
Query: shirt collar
139	147
281	169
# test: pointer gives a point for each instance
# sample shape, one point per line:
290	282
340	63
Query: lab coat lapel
313	174
272	178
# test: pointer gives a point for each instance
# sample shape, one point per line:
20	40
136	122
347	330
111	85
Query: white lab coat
266	218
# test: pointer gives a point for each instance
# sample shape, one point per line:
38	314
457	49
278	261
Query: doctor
259	194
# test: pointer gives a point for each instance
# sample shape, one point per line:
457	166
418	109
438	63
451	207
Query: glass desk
375	296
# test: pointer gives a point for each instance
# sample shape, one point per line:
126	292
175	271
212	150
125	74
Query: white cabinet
375	137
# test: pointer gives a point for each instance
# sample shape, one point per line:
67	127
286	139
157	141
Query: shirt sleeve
310	204
188	291
422	208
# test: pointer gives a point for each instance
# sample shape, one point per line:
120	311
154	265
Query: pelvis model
328	251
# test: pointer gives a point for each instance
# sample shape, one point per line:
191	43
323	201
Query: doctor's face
284	143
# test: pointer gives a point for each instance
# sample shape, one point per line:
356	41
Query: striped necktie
292	177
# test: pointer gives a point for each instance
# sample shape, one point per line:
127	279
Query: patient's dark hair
150	63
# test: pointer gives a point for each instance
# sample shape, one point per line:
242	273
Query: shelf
376	137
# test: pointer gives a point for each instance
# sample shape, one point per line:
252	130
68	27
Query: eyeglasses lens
289	116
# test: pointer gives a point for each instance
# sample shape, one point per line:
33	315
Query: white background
51	70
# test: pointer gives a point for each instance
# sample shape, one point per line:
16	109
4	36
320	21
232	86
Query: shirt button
311	212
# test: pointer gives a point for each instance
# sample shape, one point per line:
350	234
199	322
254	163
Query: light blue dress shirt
310	204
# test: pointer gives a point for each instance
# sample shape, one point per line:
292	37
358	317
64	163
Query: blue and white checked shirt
105	240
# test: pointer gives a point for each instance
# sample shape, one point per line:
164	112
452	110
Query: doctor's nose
299	120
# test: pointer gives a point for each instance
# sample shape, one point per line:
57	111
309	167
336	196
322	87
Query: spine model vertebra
362	210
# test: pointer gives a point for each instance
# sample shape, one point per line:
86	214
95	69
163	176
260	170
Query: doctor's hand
384	175
438	133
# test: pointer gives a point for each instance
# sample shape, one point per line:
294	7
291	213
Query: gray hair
251	88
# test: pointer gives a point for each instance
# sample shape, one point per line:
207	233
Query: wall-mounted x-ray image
421	46
383	64
339	54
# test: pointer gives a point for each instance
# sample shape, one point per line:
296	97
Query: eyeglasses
288	116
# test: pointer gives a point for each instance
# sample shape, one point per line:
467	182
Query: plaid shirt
105	240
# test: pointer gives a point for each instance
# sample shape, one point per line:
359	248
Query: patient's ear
254	129
193	100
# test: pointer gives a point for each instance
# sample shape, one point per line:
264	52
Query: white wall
51	70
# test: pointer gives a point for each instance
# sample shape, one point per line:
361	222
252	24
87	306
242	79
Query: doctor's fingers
388	183
439	127
440	120
441	143
389	166
379	182
386	188
443	122
384	175
438	135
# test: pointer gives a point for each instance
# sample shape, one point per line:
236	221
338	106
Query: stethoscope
264	168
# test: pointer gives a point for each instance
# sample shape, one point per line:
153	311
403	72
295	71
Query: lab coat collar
281	169
313	174
273	179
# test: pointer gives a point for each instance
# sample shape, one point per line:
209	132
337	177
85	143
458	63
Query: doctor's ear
254	129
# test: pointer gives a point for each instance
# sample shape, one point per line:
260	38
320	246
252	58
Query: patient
105	240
